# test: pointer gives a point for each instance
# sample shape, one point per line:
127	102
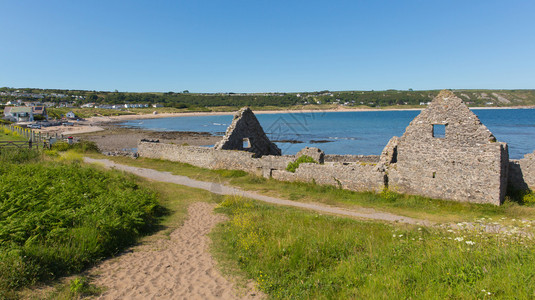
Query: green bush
292	166
58	218
82	146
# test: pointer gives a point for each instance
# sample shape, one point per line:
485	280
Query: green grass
293	254
8	135
292	166
58	218
407	205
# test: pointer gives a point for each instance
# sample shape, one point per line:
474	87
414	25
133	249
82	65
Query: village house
18	114
39	113
70	115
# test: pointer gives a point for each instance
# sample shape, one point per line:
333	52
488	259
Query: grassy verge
407	205
294	254
56	218
8	135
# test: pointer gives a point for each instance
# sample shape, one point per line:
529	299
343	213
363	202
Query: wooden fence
35	139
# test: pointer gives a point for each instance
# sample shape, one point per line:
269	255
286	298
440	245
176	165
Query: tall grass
294	254
57	218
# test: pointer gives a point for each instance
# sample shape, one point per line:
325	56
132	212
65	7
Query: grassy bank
407	205
294	254
57	218
8	135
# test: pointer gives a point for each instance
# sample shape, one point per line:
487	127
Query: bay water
360	132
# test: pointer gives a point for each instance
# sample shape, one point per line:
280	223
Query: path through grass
406	205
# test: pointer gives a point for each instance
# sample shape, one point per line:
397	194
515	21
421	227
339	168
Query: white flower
400	235
470	243
459	239
449	230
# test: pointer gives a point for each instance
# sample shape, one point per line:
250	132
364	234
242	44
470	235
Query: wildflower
400	235
470	243
419	228
450	230
393	235
459	239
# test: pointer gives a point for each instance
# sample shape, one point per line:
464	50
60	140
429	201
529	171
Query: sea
355	132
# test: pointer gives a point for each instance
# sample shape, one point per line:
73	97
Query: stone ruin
445	152
245	133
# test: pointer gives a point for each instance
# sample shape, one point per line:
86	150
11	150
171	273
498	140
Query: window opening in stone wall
439	131
246	143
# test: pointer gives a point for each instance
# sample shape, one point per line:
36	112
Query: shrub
82	146
63	217
292	166
18	155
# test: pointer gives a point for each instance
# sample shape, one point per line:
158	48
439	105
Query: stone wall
467	164
213	159
527	165
522	173
351	158
350	176
358	176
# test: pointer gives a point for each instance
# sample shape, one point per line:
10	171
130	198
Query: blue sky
267	46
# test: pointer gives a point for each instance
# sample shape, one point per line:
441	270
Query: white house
70	115
18	114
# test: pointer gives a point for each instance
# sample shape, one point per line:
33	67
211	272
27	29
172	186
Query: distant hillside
493	98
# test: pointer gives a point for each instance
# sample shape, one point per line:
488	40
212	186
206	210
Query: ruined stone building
245	133
445	152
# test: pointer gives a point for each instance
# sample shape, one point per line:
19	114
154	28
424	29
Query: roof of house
38	109
19	109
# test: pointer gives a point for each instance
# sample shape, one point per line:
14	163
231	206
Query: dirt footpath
176	268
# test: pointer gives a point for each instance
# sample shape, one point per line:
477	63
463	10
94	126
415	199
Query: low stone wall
359	176
352	158
350	176
213	159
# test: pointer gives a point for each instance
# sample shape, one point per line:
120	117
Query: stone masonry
245	133
466	164
463	162
313	152
522	172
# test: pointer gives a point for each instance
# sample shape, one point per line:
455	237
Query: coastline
115	119
106	125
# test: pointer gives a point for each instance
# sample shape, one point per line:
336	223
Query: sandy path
176	268
362	213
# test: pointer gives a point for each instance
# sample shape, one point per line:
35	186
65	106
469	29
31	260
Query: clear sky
267	46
